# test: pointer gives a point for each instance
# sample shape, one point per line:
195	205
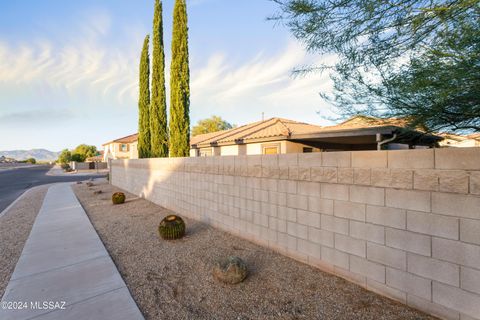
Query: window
206	152
271	148
124	147
307	150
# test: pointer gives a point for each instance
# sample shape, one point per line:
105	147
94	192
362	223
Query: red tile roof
271	128
128	139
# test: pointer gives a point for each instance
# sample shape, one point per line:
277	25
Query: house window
124	147
307	150
271	148
206	152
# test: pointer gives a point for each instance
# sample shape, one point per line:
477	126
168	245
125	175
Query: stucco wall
405	224
112	151
255	148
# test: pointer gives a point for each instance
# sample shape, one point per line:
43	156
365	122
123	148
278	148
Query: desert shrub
231	270
118	198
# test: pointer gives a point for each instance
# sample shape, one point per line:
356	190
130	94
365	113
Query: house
277	135
123	148
4	159
98	158
460	141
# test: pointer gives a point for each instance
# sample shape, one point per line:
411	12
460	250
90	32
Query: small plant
231	270
89	184
118	198
172	227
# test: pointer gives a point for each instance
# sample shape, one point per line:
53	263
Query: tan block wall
405	224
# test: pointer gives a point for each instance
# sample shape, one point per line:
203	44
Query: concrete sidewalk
64	271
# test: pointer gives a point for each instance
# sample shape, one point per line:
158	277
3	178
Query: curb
20	197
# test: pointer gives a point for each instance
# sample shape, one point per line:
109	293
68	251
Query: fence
88	165
405	224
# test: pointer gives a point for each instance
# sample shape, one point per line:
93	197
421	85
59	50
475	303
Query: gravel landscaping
15	227
173	279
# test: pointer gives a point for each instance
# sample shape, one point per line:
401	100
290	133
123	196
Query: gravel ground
15	227
173	279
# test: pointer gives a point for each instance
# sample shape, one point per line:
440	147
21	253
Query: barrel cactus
118	198
231	270
171	227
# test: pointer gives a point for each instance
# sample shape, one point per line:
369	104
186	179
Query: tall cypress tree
144	148
179	84
158	103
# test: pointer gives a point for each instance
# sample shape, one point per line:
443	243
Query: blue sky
68	69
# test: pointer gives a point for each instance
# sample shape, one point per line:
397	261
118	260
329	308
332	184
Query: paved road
14	182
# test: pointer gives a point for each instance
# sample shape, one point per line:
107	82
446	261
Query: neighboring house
4	159
459	141
276	135
123	148
98	158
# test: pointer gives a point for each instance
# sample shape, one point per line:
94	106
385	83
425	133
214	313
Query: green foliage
144	147
31	160
85	150
410	58
78	157
179	145
118	198
171	227
212	124
441	88
65	157
79	154
158	103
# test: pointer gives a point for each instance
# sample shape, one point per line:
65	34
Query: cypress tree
158	103
179	84
144	149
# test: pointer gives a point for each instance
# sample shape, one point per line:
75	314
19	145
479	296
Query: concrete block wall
86	165
405	224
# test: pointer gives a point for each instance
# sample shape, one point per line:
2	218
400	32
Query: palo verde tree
85	151
179	84
416	59
212	124
158	103
144	147
65	157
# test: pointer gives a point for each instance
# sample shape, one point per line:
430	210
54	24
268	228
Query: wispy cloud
38	117
264	83
87	70
82	68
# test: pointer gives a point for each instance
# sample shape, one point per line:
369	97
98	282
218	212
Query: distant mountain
38	154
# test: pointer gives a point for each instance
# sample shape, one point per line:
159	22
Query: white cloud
90	73
84	67
262	84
